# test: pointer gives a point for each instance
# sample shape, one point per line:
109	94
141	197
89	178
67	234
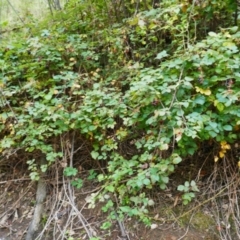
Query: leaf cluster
144	90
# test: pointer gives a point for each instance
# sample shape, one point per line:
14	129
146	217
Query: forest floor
62	217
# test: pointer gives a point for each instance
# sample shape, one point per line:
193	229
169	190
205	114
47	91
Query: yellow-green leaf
206	92
220	107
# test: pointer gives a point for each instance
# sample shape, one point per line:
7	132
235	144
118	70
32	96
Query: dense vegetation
136	85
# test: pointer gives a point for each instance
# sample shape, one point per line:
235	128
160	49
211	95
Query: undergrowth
142	86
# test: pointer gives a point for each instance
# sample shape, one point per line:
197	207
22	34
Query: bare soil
61	219
213	215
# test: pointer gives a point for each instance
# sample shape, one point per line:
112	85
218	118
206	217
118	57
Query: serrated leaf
70	171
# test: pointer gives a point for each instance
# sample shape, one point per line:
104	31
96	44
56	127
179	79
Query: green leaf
214	125
146	181
177	160
106	225
191	194
101	177
155	178
212	134
163	186
227	127
233	29
163	167
181	188
191	151
186	184
162	55
77	183
110	188
161	112
187	197
193	183
220	107
150	202
34	176
133	21
125	209
44	168
195	189
70	171
212	34
165	179
92	175
6	143
94	154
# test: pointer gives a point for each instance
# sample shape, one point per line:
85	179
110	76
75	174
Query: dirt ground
61	220
213	215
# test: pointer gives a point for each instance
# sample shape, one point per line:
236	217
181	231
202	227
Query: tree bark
40	198
57	5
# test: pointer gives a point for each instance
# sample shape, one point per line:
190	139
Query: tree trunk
57	5
40	198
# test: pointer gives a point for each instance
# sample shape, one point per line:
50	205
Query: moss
202	221
198	220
